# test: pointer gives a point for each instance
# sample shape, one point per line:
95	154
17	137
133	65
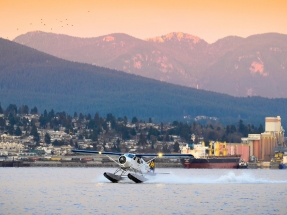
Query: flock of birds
57	20
63	24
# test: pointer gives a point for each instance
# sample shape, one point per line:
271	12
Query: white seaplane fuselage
130	161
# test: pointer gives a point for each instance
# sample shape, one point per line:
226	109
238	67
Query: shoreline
75	164
89	164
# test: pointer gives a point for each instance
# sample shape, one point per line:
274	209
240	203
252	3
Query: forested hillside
37	79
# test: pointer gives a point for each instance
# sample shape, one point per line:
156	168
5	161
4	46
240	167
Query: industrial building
262	146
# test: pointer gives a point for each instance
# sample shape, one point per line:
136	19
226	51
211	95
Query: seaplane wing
132	166
97	152
158	155
162	155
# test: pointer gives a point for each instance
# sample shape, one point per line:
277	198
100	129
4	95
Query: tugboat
242	164
281	158
283	164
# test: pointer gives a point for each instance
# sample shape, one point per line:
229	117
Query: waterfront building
262	146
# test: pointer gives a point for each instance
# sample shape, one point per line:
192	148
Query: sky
208	19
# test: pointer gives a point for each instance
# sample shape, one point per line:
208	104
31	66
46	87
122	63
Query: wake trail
230	177
226	178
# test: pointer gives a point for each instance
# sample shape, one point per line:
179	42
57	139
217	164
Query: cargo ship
216	158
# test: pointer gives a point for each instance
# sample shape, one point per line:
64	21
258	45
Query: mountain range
252	66
35	78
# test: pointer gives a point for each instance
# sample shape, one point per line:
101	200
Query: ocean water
182	191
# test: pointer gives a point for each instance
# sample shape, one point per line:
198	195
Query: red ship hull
212	162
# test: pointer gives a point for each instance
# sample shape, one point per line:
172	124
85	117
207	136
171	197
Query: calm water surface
183	191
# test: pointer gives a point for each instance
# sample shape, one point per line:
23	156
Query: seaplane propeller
132	166
122	159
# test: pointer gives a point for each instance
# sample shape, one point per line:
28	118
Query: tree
260	129
58	143
125	133
133	132
51	114
105	126
2	123
165	149
71	143
176	147
75	115
88	117
34	131
24	109
232	129
18	131
43	121
47	138
125	120
118	142
12	119
81	117
142	140
134	120
153	139
175	123
34	110
76	145
241	126
12	108
36	138
167	137
92	124
110	117
45	113
184	131
11	130
149	120
94	135
97	118
115	148
227	130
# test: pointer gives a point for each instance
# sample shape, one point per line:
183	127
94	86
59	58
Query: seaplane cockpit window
129	155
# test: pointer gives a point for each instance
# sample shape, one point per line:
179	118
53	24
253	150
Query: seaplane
132	166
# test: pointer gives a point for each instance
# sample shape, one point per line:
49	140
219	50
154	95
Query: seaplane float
132	166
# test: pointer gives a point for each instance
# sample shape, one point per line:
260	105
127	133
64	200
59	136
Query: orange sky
207	19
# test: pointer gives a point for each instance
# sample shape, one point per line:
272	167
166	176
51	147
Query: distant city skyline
207	19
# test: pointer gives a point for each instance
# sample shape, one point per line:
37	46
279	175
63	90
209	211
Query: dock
263	165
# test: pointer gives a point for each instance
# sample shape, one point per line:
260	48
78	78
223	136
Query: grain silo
273	124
